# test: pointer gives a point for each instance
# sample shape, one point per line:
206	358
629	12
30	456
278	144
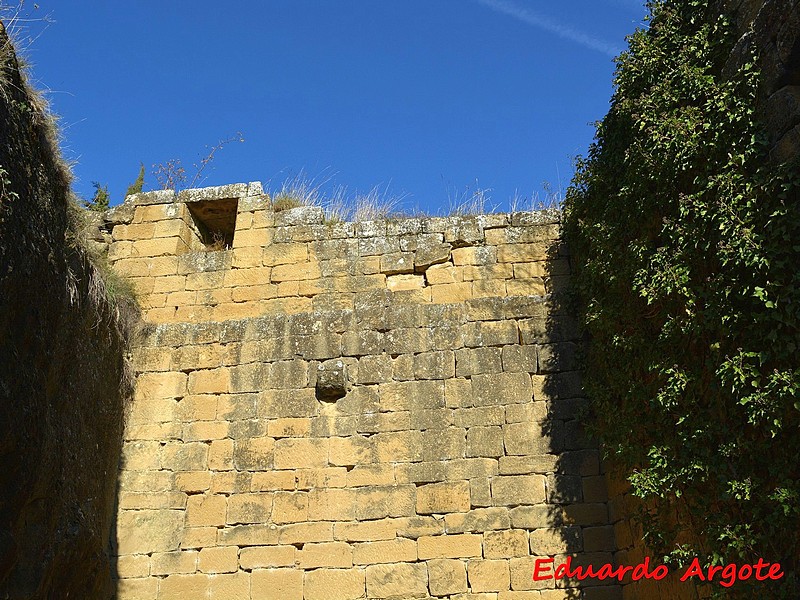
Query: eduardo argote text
726	576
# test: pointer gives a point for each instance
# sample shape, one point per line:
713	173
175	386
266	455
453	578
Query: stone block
513	490
451	293
139	565
385	551
490	333
222	559
334	584
399	283
519	358
206	510
137	589
507	543
167	563
180	587
445	497
249	535
488	575
556	540
247	508
377	502
146	531
477	520
365	531
254	454
485	441
277	584
443	444
399	580
599	539
298	453
161	385
193	481
326	554
524	439
192	456
414	395
400	446
501	388
261	557
434	365
351	451
229	586
290	507
465	545
447	576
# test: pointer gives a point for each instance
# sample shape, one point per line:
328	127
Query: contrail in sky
568	33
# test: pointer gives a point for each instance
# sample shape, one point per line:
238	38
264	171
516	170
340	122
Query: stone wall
334	410
771	28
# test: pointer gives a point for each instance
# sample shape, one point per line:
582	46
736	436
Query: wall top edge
251	197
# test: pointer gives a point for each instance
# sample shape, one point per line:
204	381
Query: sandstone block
434	365
222	559
229	586
485	441
146	531
297	453
443	444
289	403
477	520
261	557
488	575
452	293
397	283
253	507
180	587
334	584
167	563
447	576
254	454
512	490
142	588
193	481
284	254
290	507
192	456
529	438
465	545
365	531
206	510
474	361
505	543
445	497
220	455
400	446
277	584
399	580
161	385
326	554
134	566
501	388
249	535
387	551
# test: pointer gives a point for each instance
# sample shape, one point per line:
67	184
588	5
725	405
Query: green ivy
687	247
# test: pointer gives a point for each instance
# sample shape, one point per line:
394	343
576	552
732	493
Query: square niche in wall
215	221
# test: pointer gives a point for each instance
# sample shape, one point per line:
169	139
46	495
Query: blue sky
430	98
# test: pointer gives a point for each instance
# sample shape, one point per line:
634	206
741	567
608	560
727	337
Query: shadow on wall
577	532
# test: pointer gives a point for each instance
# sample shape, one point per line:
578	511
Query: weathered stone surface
374	409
